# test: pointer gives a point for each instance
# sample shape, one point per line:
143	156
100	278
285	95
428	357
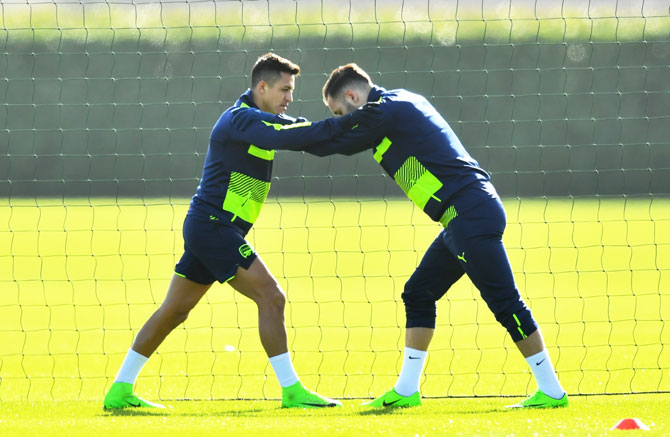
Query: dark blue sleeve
361	137
349	143
269	131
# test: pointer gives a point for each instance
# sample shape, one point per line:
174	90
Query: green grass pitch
82	276
589	415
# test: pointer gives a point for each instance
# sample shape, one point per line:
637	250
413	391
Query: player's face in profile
276	98
342	105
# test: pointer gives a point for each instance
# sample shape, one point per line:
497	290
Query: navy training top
238	166
416	146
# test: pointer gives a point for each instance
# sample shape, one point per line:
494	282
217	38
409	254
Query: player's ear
351	96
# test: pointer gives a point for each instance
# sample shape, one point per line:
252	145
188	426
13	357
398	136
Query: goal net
105	113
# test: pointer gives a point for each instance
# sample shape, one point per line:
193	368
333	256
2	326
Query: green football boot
121	395
541	400
391	399
297	396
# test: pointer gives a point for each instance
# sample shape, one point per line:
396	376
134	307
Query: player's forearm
349	143
297	136
336	147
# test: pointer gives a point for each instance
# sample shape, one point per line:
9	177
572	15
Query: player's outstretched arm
349	143
365	135
267	132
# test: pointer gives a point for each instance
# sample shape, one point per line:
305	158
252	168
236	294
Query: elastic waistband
222	218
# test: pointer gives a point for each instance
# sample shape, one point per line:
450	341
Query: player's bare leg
419	338
258	284
531	345
183	294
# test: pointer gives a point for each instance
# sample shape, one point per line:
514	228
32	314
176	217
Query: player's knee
174	316
420	307
272	297
278	298
518	321
181	316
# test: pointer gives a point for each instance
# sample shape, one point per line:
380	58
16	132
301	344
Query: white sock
283	367
546	378
410	374
131	367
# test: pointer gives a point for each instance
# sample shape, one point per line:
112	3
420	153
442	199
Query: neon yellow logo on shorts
245	250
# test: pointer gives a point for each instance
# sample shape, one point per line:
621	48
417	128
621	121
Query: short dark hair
269	68
342	76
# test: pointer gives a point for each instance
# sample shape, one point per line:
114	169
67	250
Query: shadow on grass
483	411
135	412
382	411
422	411
251	412
170	411
259	411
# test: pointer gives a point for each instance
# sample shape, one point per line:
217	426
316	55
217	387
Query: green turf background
83	275
587	415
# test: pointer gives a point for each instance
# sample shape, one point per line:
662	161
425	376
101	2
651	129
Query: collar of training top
246	98
375	93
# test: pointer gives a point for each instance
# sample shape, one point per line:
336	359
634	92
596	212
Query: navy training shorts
213	250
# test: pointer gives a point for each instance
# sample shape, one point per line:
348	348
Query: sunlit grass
83	275
592	415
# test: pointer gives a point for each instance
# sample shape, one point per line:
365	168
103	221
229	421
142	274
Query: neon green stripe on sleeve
278	126
267	155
